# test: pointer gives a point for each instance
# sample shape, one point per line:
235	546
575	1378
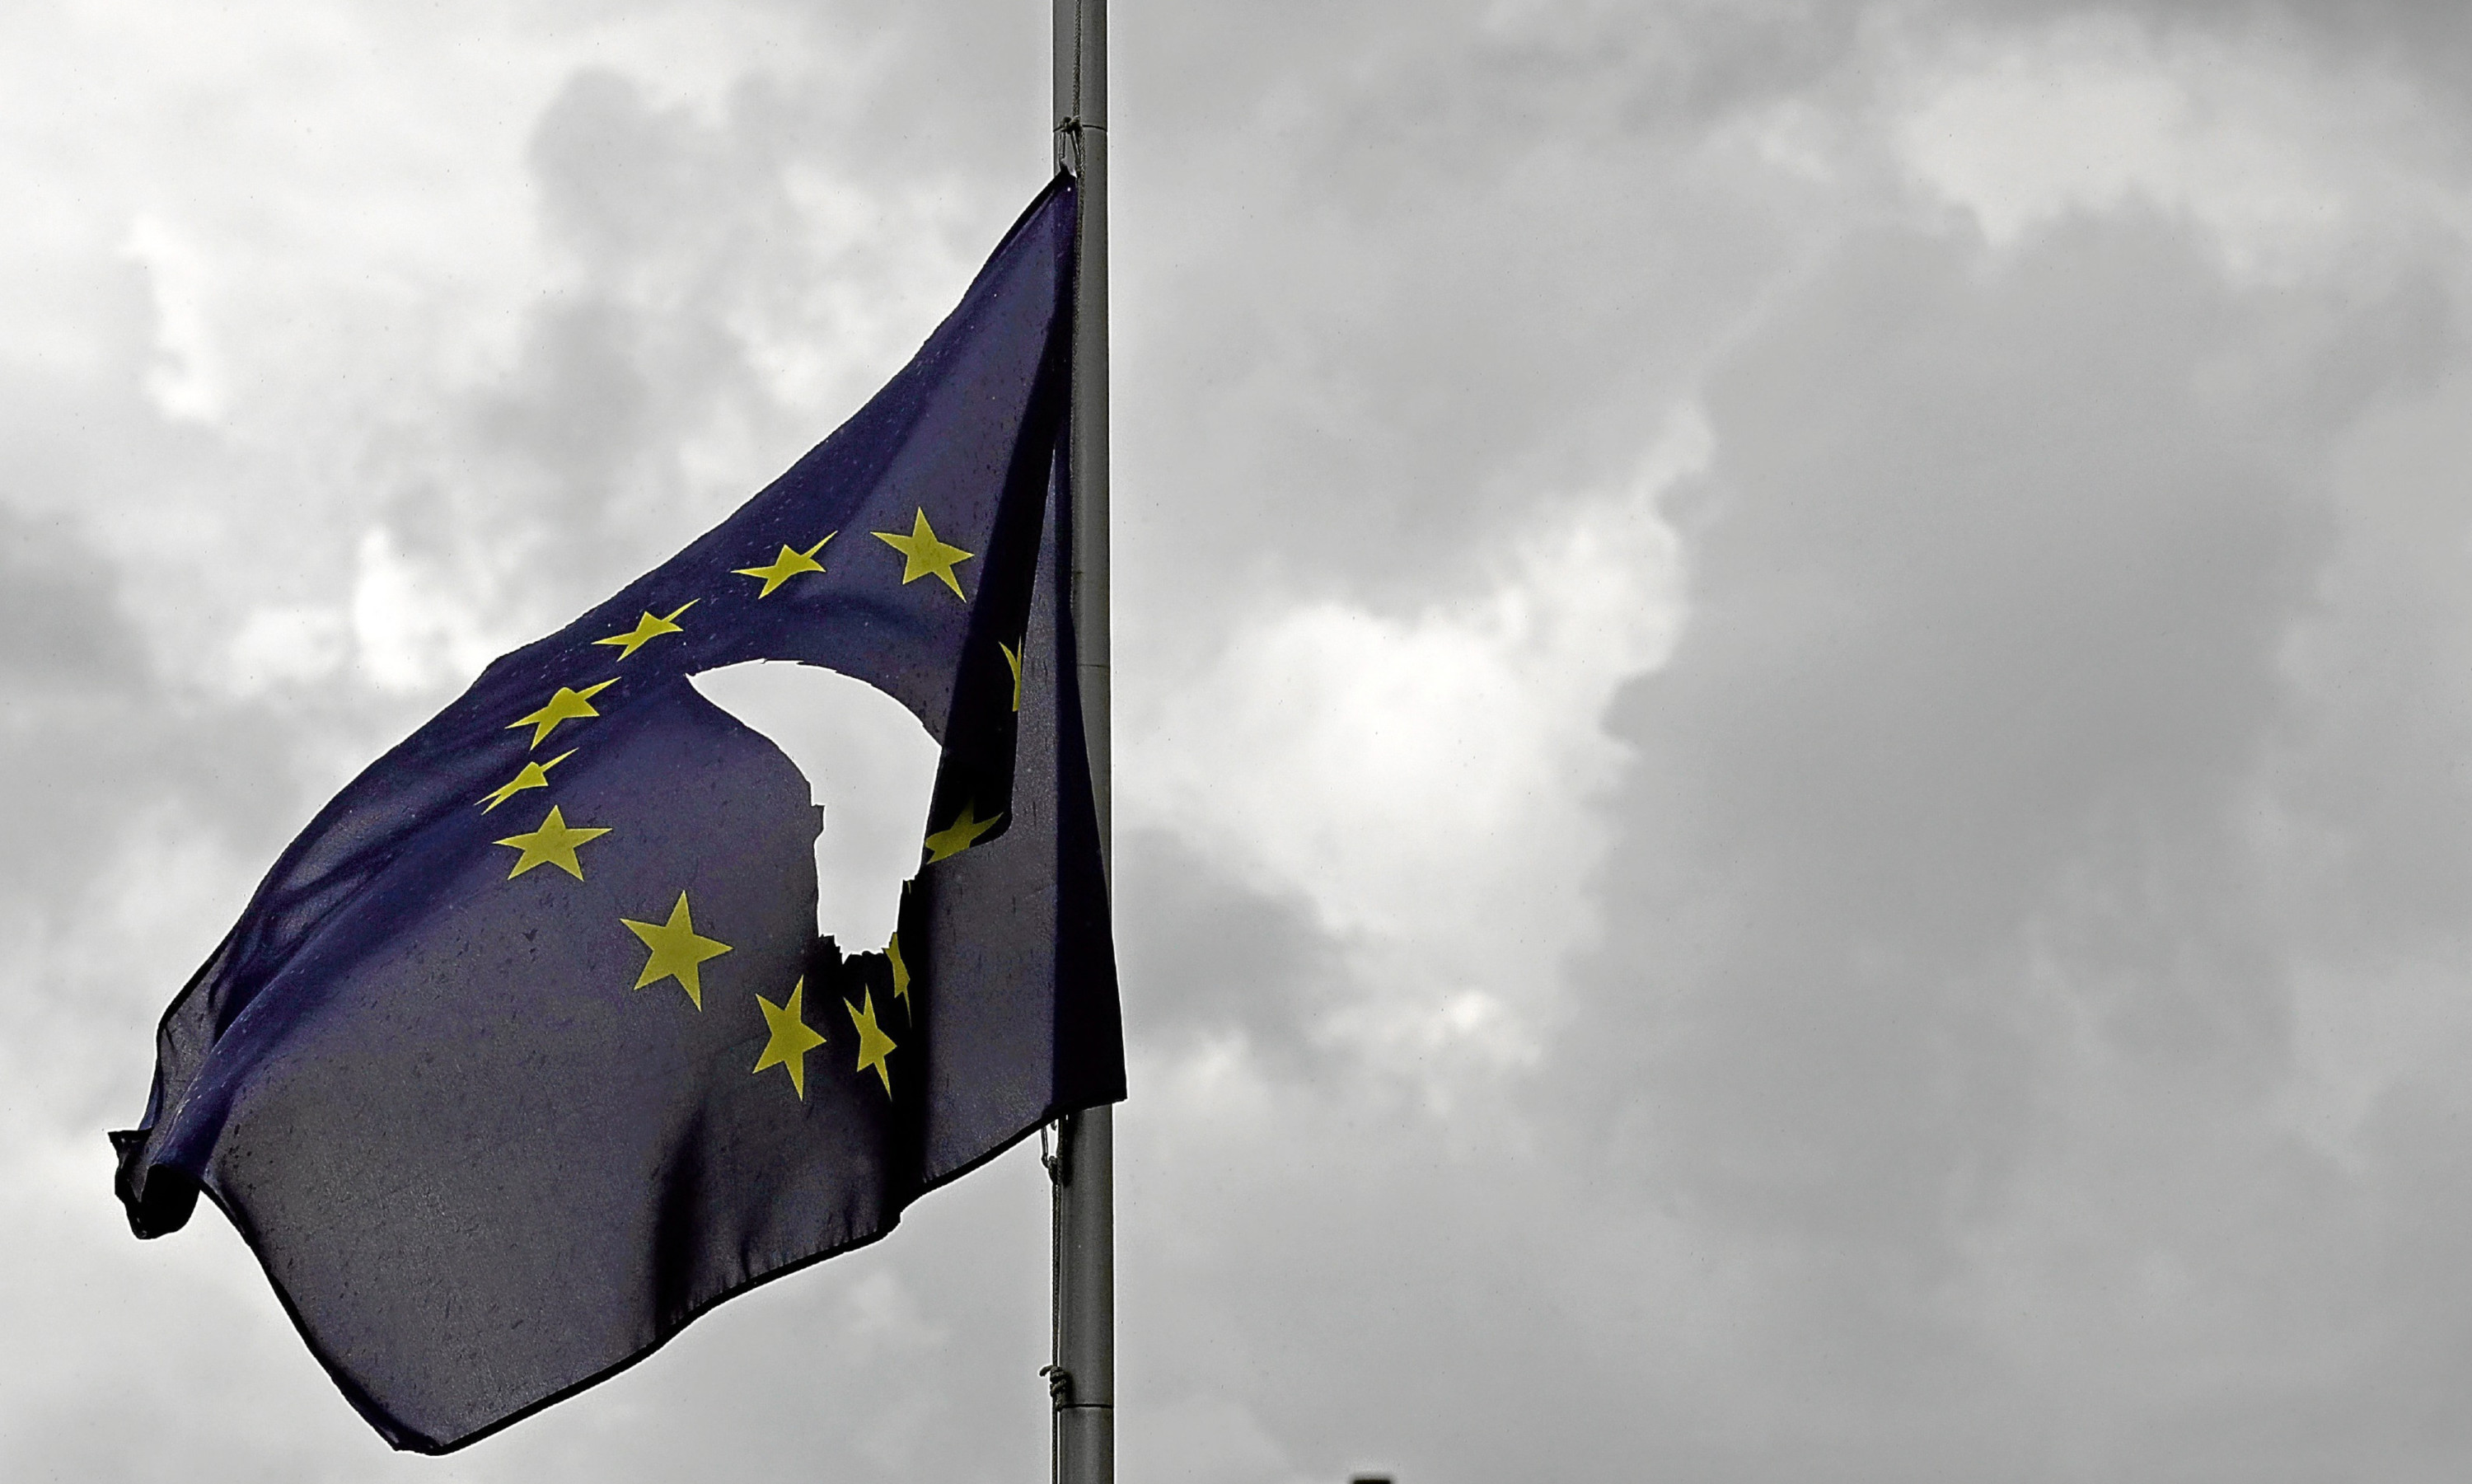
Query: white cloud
411	628
287	644
188	381
1426	779
2285	168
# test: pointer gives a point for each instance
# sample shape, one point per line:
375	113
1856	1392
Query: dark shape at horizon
526	1052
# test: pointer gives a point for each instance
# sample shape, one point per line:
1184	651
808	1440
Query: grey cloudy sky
1793	699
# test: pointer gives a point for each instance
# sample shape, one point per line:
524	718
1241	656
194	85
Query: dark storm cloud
84	714
1936	683
55	606
75	675
1218	958
1994	579
668	219
690	229
1409	315
2378	761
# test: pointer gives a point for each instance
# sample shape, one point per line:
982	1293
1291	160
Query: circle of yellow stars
676	951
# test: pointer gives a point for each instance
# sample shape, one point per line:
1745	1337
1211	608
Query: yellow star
924	553
874	1045
900	970
792	1039
647	628
959	835
789	564
552	845
565	705
1012	659
678	950
532	775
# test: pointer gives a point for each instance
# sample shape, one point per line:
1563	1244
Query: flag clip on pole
1082	1374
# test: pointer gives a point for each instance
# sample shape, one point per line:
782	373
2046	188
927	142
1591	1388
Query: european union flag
527	1052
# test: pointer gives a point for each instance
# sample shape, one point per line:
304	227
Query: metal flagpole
1082	1378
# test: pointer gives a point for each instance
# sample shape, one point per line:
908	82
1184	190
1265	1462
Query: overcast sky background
1794	692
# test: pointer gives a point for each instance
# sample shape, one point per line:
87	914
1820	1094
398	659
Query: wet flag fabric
527	1052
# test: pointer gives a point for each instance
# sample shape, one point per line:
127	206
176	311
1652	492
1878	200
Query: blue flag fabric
526	1052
